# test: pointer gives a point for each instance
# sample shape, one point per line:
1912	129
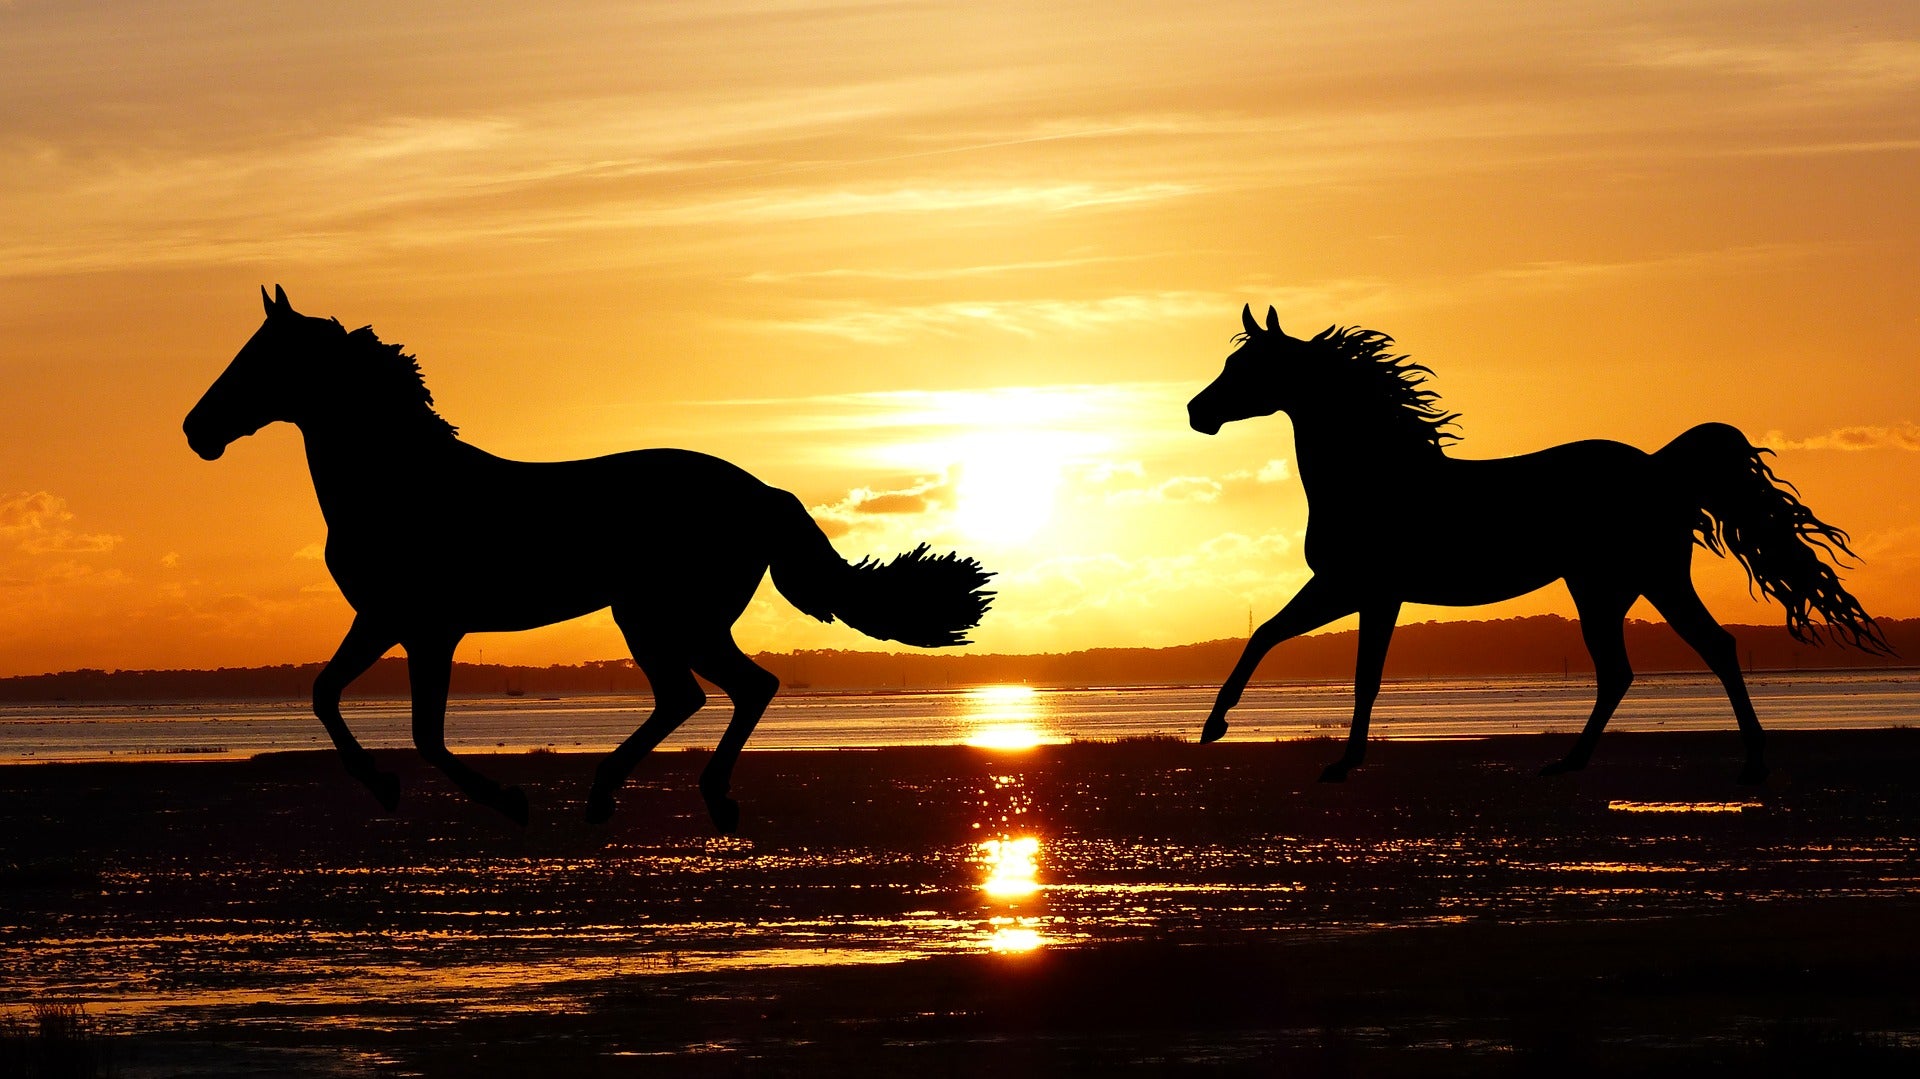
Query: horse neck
1343	454
372	462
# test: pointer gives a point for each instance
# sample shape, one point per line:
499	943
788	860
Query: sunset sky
949	272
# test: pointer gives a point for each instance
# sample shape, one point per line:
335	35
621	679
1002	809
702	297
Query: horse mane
1360	359
393	372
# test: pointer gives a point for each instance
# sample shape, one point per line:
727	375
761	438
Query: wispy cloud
870	324
938	273
1821	64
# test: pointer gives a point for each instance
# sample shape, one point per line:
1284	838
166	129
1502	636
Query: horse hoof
599	807
1335	772
386	789
725	813
1753	775
1561	767
1215	730
512	801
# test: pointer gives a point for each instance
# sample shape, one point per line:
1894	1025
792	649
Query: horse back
495	543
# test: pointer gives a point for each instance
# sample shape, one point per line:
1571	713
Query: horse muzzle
204	442
1206	425
208	450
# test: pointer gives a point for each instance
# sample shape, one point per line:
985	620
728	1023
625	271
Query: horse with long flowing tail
430	539
1392	519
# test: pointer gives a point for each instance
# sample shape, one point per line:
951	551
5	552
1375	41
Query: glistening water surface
1007	716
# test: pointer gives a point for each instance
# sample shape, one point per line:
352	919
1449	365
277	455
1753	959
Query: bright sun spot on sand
1003	718
1011	867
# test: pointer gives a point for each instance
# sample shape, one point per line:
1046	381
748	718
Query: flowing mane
1360	369
394	378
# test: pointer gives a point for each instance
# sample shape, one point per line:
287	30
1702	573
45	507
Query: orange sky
968	260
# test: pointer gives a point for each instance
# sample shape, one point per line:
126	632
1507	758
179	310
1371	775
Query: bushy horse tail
916	598
1746	511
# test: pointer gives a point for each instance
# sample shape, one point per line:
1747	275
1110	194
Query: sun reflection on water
1014	937
1004	718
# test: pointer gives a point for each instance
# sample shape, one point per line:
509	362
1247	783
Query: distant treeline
1542	645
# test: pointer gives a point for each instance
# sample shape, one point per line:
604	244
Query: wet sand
1206	909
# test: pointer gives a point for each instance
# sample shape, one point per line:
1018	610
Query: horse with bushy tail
1393	520
431	539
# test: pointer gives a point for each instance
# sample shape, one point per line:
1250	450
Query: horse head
1253	382
265	382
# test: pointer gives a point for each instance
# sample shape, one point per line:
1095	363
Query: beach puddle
1622	806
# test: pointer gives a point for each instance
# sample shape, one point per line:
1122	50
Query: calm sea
989	715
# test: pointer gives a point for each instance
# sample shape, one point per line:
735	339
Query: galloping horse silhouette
1393	519
431	539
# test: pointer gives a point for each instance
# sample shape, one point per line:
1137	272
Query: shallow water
270	892
991	715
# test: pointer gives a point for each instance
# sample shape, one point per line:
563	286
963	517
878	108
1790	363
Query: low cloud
1177	489
861	504
39	523
1904	436
1204	489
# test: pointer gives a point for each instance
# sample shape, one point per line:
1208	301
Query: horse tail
1744	510
916	598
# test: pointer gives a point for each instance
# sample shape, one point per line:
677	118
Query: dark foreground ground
1203	910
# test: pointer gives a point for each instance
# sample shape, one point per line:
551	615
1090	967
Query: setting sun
1008	486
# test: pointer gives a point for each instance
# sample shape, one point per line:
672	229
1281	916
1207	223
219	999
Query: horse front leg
1316	604
429	671
1376	632
362	648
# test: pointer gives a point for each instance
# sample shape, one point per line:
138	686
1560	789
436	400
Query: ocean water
1009	716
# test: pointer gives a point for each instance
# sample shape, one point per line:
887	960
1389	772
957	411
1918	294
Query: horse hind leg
429	670
1681	607
361	649
751	687
1603	614
676	697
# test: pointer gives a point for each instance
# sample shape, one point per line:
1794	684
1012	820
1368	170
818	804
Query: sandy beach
1199	909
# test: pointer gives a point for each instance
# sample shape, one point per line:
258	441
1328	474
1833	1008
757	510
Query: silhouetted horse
1393	519
431	539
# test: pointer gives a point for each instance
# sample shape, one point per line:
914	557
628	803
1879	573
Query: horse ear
280	299
1273	320
1246	319
266	301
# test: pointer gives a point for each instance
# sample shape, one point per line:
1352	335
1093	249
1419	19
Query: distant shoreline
301	697
1537	646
